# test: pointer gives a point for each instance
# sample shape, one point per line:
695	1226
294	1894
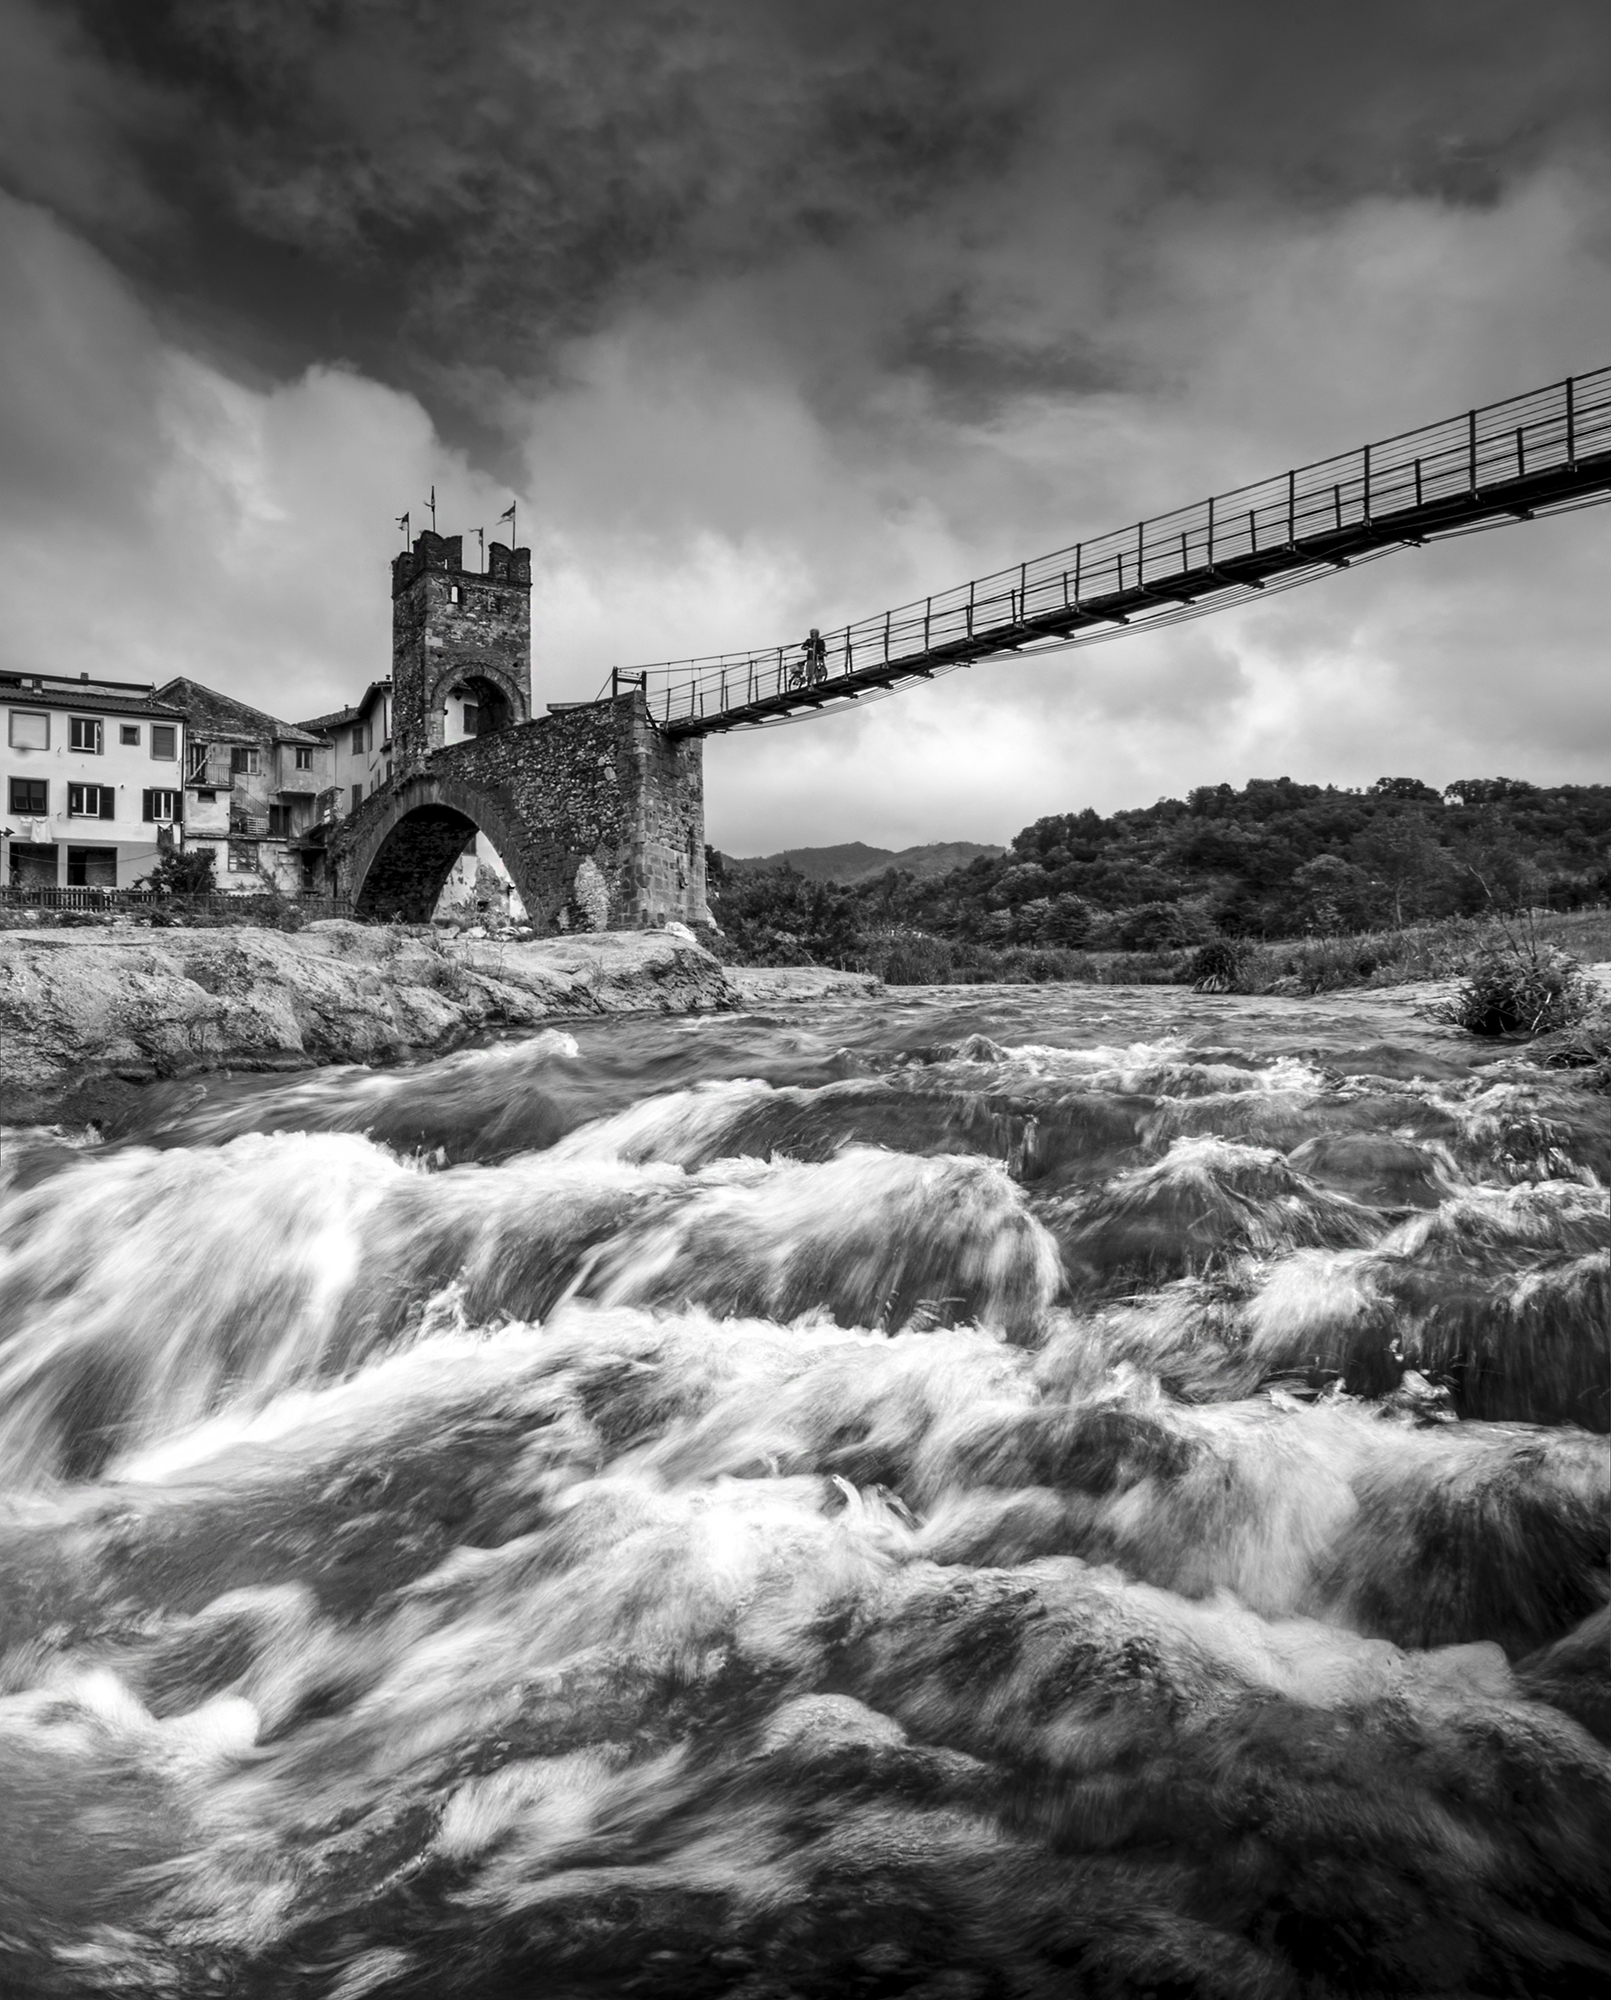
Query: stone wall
597	784
450	626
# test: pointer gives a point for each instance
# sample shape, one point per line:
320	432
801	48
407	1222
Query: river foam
915	1499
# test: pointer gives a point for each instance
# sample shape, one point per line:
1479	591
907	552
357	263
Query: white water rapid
956	1496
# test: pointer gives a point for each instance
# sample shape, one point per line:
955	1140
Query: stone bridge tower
598	815
461	646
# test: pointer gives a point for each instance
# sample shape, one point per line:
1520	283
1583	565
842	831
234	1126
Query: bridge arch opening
412	865
480	889
475	706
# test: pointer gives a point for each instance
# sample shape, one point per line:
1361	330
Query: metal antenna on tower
433	510
481	537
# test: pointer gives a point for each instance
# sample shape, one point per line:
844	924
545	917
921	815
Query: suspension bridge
1541	453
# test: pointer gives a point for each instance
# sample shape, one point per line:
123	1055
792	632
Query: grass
1449	948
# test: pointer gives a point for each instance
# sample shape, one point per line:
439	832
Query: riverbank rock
781	985
86	1016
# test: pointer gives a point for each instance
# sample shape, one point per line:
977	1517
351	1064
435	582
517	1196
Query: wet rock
1376	1168
775	985
87	1015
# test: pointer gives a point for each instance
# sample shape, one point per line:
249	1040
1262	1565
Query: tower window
455	595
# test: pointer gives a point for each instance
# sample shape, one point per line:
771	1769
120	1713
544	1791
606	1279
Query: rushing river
1007	1493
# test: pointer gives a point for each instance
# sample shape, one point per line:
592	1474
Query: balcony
207	767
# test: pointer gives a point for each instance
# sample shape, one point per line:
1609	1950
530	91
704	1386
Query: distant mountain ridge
854	861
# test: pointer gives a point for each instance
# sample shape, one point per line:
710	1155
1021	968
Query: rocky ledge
87	1016
780	985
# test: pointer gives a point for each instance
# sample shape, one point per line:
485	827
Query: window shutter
108	802
148	806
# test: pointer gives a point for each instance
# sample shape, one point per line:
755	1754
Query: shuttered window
160	807
91	802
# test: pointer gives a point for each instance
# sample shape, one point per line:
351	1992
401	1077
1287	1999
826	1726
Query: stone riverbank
86	1016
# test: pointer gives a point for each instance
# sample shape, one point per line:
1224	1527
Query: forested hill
1275	859
854	861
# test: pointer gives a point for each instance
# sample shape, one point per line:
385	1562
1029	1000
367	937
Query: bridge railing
1407	477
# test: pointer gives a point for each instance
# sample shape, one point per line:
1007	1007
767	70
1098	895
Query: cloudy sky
772	312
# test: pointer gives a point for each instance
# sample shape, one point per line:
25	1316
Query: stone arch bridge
616	786
598	787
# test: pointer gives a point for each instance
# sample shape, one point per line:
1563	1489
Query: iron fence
244	905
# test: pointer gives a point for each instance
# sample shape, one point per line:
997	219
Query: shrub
1518	985
182	871
1219	967
912	958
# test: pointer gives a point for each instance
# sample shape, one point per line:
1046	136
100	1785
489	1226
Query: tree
1487	791
1404	788
182	871
1330	894
1400	854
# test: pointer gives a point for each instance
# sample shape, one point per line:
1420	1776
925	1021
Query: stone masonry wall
595	784
437	643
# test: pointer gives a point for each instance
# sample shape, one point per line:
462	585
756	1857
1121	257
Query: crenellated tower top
461	645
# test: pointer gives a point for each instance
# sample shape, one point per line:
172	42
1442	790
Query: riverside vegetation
1276	887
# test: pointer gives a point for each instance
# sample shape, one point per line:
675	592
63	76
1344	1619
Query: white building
359	740
92	780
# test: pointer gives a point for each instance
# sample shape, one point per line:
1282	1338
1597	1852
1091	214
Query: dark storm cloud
973	370
446	194
425	187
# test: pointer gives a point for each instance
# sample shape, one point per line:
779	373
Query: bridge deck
1545	451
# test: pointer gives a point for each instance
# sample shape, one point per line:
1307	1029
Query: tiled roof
340	718
211	714
84	700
